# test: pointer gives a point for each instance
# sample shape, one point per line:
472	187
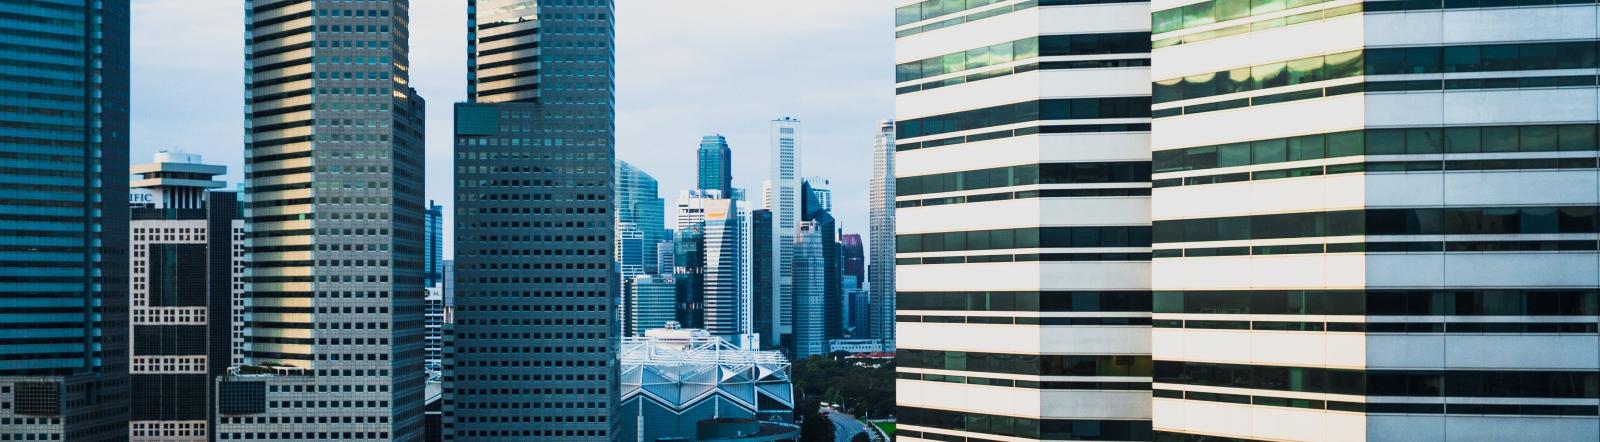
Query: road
844	426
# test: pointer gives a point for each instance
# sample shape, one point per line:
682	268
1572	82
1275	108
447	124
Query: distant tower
783	198
716	164
880	232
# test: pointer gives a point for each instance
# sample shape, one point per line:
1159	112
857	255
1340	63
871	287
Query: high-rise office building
715	164
810	289
64	265
1022	181
782	196
880	234
664	255
1377	223
727	285
187	241
651	303
854	259
334	221
433	245
535	332
689	272
639	203
630	251
763	311
815	209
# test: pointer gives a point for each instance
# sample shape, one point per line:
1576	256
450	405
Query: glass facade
63	253
536	179
334	222
716	165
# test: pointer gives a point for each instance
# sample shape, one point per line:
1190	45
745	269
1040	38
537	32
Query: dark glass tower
535	330
63	247
433	247
716	164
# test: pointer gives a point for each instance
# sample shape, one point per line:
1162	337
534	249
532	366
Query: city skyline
738	85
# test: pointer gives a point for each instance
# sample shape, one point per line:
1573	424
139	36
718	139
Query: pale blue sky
685	68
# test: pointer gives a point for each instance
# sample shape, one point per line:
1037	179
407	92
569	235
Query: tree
816	428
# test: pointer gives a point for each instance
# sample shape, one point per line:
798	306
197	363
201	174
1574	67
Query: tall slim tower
1377	223
715	164
1022	166
433	247
334	226
783	198
535	164
64	247
880	235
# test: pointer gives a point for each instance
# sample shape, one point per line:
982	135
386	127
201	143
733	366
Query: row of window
1265	76
1031	47
1045	129
1383	61
1262	100
1025	175
1383	247
1035	385
1270	401
1024	238
1262	25
1451	302
1478	328
1049	301
1025	257
1423	221
1374	408
912	13
1469	139
1034	365
1215	11
1423	383
1383	167
1049	109
1022	320
1018	69
930	9
1027	194
1029	428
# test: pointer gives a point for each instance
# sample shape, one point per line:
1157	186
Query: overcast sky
685	68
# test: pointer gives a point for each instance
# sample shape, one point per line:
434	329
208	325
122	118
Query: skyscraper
639	202
727	268
186	242
853	277
815	209
1389	233
880	233
763	309
854	259
334	221
535	165
716	164
810	288
1022	186
651	300
782	196
433	247
64	269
